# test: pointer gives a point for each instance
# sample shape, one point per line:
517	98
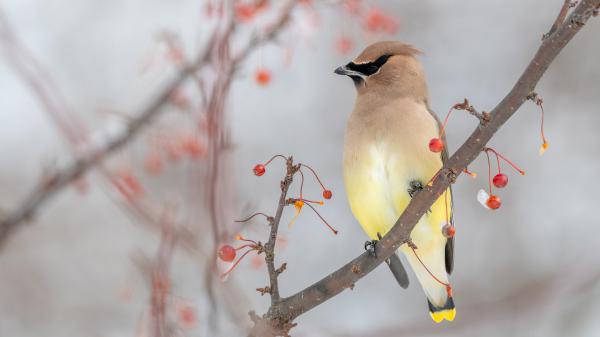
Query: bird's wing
398	270
449	256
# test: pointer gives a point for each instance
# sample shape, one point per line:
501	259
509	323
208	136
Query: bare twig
61	178
483	117
291	307
291	169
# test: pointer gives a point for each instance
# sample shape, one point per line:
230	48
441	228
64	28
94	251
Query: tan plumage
386	150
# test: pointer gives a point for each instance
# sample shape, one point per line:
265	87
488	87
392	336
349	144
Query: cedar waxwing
387	160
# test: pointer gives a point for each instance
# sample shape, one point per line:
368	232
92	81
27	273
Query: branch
345	277
270	245
560	18
52	184
62	178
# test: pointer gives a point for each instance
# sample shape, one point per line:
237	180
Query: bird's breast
383	153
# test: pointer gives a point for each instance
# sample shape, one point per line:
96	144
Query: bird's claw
370	247
414	187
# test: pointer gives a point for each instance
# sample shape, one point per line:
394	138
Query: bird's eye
370	68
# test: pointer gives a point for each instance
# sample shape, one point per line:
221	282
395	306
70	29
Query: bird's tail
447	311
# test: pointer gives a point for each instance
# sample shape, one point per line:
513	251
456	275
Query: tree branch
345	277
52	184
270	245
560	18
62	178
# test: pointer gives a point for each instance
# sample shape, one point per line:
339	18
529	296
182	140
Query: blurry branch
56	181
59	179
160	279
530	298
282	314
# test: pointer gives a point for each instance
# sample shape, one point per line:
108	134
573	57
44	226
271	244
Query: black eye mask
370	68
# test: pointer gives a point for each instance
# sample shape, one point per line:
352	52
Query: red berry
327	194
262	77
227	253
259	170
436	145
500	180
448	231
493	202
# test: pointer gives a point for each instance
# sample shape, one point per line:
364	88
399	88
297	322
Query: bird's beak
343	70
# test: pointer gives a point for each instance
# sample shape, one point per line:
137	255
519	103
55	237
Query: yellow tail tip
439	316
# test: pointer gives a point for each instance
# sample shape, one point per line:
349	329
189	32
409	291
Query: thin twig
483	117
270	245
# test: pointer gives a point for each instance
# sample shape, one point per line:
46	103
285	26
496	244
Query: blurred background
143	227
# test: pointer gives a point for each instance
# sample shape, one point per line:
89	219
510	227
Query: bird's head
387	67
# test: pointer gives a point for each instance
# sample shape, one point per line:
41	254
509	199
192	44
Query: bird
387	161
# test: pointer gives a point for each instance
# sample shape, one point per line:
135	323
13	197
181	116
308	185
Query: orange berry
262	77
327	194
493	202
227	253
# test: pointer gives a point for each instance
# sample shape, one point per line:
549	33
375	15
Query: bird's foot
414	187
370	247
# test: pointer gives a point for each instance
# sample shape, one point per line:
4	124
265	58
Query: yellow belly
377	188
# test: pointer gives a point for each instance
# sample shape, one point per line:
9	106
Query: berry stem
505	159
443	129
248	245
446	204
315	174
472	174
236	263
301	182
241	238
447	285
322	219
498	161
318	202
489	171
275	156
541	105
252	216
